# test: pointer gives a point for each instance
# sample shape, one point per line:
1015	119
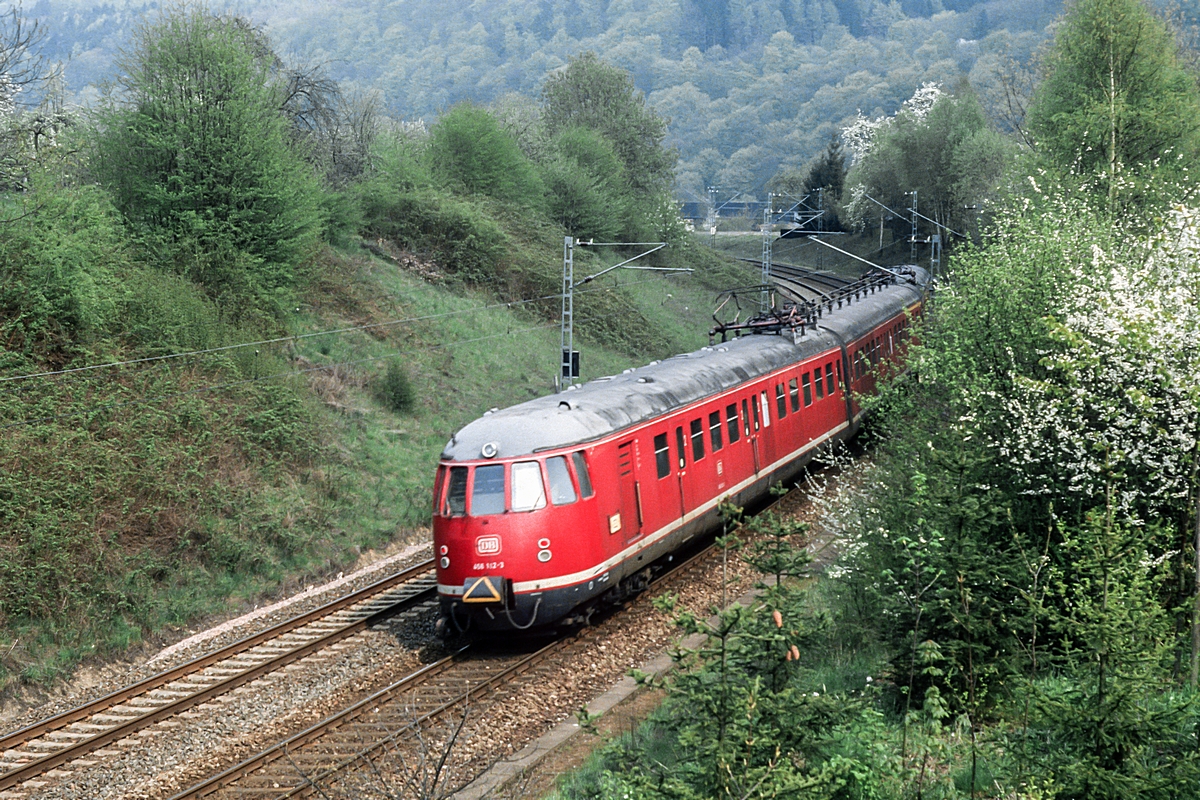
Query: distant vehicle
547	509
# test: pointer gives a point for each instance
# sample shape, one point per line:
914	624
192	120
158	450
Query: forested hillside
748	87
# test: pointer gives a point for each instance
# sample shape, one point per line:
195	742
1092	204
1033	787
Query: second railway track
35	750
387	736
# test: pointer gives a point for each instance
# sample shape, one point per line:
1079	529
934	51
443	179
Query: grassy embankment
138	499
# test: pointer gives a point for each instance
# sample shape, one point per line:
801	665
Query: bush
198	155
468	148
58	264
577	201
584	183
394	389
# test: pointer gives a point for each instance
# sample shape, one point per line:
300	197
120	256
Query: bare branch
22	64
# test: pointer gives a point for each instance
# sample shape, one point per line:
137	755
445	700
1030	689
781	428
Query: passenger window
662	458
731	420
820	385
581	472
746	419
714	430
679	449
829	384
487	493
780	401
697	440
807	384
528	494
794	391
456	494
561	491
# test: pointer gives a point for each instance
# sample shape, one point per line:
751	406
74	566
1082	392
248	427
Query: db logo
487	545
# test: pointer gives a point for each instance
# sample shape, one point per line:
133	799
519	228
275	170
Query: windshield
487	494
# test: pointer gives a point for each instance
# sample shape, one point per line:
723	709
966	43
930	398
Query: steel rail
36	767
390	693
800	287
827	278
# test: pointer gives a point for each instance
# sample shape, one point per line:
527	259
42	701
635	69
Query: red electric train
545	509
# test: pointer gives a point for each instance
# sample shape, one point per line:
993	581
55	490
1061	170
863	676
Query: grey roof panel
607	405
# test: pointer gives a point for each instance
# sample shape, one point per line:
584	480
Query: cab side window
562	491
581	473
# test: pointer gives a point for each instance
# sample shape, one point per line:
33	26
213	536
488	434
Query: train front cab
507	535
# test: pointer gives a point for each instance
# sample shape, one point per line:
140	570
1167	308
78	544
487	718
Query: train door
755	432
682	472
751	432
766	437
628	519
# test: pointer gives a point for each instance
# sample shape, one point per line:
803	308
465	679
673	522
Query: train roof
606	405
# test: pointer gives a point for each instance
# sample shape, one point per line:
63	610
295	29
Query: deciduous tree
196	151
590	93
1115	95
938	145
469	149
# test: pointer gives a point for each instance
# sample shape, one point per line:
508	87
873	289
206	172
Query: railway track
397	723
33	751
802	282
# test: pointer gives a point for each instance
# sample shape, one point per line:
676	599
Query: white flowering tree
1119	403
937	144
25	77
1034	512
